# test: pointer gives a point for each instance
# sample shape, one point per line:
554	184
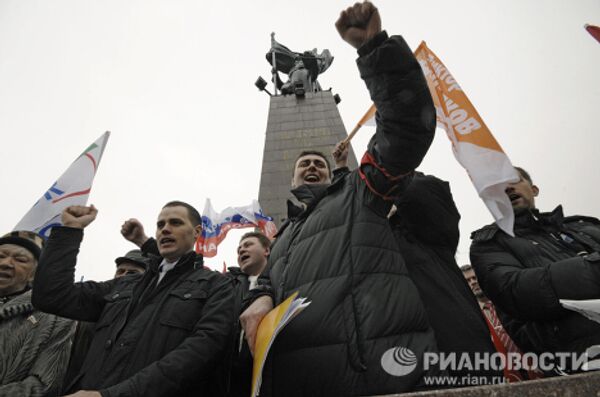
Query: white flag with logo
72	188
474	146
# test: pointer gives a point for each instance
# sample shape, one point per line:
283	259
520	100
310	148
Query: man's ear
293	183
197	231
267	252
535	190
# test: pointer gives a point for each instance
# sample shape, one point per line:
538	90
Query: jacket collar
530	217
236	271
190	258
308	197
309	194
19	305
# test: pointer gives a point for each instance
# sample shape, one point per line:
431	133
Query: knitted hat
28	240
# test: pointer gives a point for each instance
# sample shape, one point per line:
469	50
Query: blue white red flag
72	188
215	225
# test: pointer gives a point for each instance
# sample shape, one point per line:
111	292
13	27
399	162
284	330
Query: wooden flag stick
351	135
369	114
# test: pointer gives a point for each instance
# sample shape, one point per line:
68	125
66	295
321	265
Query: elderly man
161	333
551	257
366	331
35	345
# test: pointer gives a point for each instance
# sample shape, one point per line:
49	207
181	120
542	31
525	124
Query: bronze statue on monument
302	116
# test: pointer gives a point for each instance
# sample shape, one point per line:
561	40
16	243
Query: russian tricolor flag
215	225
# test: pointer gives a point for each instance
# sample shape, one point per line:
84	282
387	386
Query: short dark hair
264	240
466	268
524	174
313	152
193	214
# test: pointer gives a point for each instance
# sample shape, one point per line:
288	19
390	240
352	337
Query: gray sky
173	81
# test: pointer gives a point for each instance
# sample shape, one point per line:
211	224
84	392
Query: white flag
72	188
474	146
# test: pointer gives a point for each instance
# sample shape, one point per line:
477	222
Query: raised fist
78	216
359	23
133	231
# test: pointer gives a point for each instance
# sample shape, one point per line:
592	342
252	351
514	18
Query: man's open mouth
244	257
513	197
311	178
5	276
167	241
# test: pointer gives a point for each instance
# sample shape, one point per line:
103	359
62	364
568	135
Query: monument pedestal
295	124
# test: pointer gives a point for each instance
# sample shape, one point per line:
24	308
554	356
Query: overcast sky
173	81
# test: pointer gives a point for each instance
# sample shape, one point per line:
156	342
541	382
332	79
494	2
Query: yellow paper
264	336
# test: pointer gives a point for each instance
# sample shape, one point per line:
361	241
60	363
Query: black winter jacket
426	228
149	340
240	364
550	258
366	330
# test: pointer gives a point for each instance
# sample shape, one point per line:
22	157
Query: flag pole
274	62
351	135
367	116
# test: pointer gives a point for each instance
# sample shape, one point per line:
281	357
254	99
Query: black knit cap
31	241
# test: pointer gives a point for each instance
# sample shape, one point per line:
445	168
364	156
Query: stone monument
301	116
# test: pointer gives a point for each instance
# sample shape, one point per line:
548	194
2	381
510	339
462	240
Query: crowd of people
373	249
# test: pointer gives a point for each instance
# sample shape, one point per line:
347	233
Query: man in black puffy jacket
366	331
551	257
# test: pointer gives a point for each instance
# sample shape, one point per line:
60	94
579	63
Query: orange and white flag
473	144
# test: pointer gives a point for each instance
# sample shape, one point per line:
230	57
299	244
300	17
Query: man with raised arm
161	333
366	331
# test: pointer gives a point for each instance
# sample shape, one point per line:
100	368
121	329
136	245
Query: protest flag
72	188
215	225
367	119
594	31
473	144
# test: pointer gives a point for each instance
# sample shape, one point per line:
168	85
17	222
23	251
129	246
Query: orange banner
456	114
473	144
